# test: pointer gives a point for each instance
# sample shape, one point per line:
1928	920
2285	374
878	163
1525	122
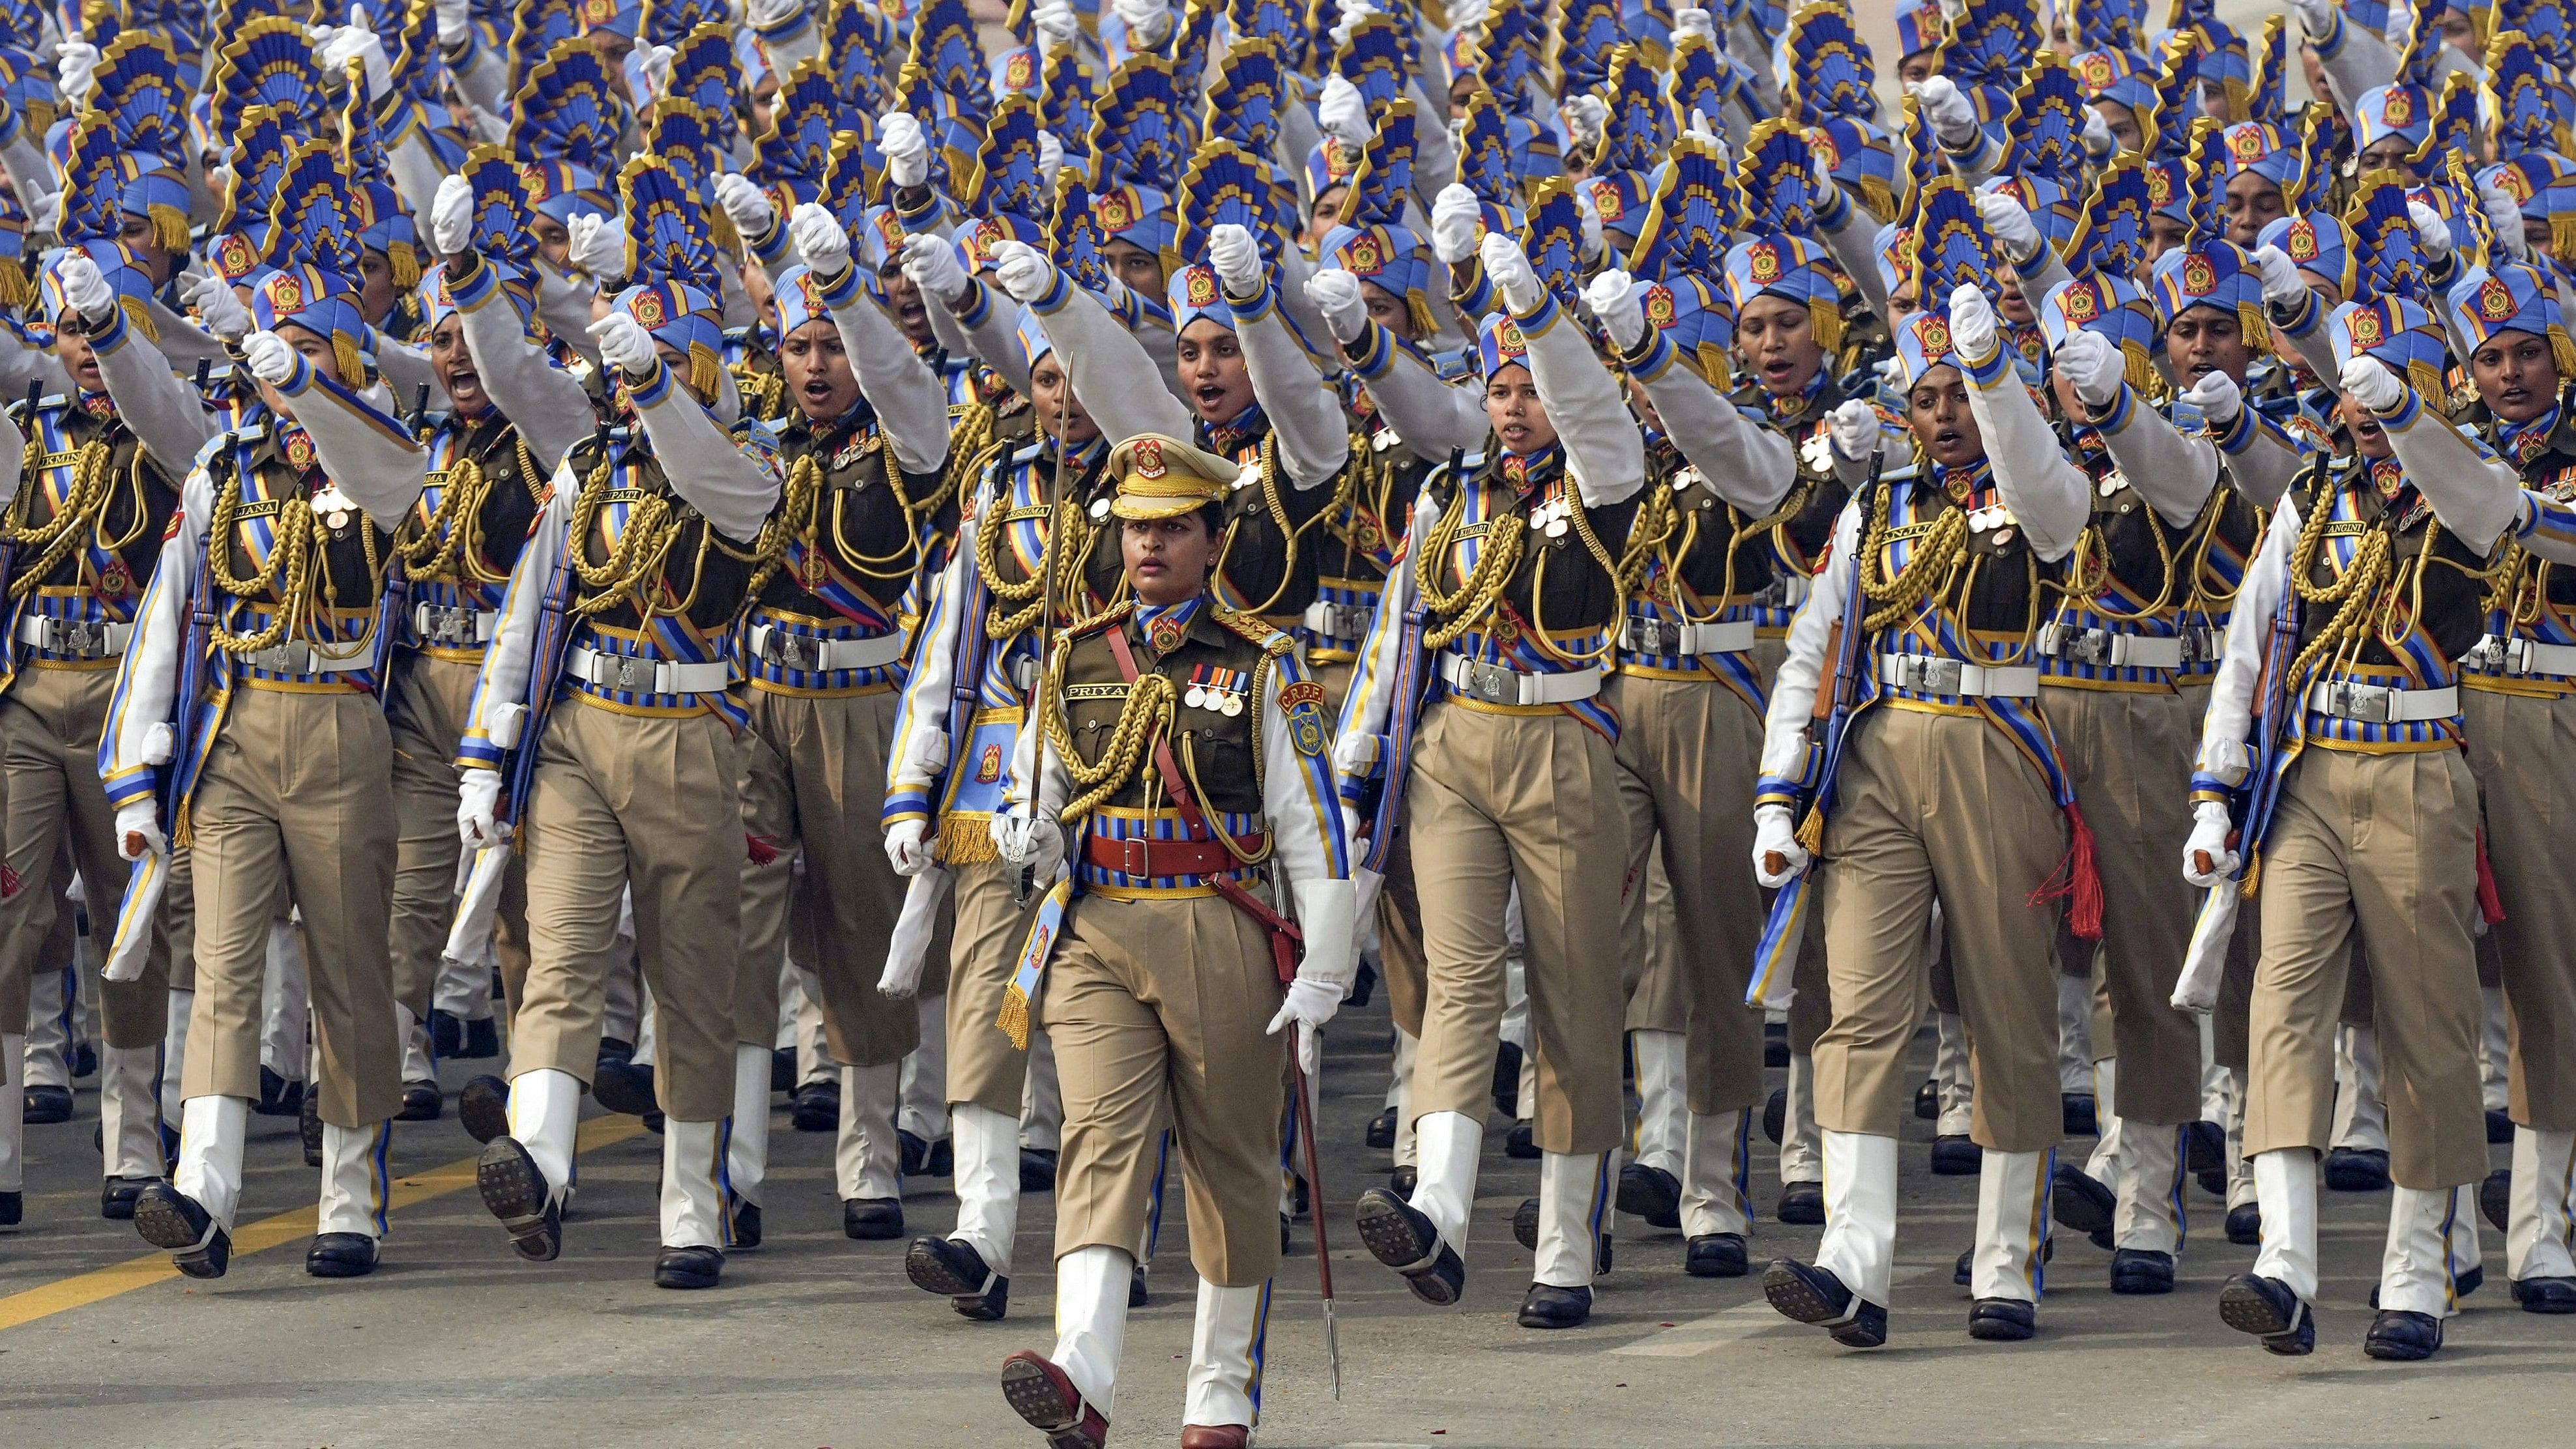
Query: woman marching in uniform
1187	745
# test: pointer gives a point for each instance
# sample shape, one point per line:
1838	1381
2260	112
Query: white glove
1236	258
1025	840
2431	232
76	70
906	150
598	244
451	216
656	67
2367	381
45	214
2008	222
2098	140
1584	118
478	801
1775	834
86	289
2093	363
2316	17
1026	273
906	849
1691	20
1593	242
1149	22
1972	322
339	45
455	20
1050	156
623	343
1704	130
2282	284
218	308
1854	428
932	265
1954	118
1456	217
746	204
1508	268
270	359
2504	218
2209	831
1336	294
2218	398
1614	299
1342	112
1309	1004
820	239
138	830
1054	24
772	14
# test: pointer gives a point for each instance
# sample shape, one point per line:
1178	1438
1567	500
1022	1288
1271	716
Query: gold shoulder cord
1936	559
1278	507
77	521
447	545
1066	545
1147	708
1623	574
1465	607
295	557
2088	568
635	564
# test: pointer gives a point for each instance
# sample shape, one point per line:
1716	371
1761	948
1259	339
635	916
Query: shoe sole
1040	1404
2246	1311
872	1233
2001	1330
162	1226
2145	1287
1795	1299
1392	1239
336	1268
931	1274
515	1192
673	1278
2075	1210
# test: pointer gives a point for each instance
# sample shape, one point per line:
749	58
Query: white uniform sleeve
1434	418
920	746
1604	449
563	304
2263	468
1109	367
501	687
1746	463
167	415
1305	413
184	342
2362	62
2170	471
548	405
416	172
2475	494
1366	704
380	465
1854	245
2229	722
1802	668
405	369
2049	496
147	678
911	405
24	365
990	324
705	465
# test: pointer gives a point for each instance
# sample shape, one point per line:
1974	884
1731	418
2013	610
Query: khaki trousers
431	699
2388	843
1399	910
1499	800
1688	755
1156	1010
813	784
2129	754
646	803
296	802
990	927
1650	951
2520	750
50	721
1940	806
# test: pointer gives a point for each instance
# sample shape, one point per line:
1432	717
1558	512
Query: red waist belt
1140	857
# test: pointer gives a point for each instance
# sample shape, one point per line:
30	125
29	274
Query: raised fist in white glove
1778	858
1149	22
906	150
2217	397
772	14
1972	322
2431	232
1692	20
218	308
597	244
76	70
1584	118
1613	298
656	66
2367	381
1456	218
2316	17
624	344
339	45
451	216
1954	117
2099	143
1342	112
2008	222
1308	1005
931	262
2504	218
1025	272
1594	244
820	239
2282	284
1508	268
138	830
1703	130
1050	156
1853	426
269	357
2207	857
1336	294
905	847
455	19
478	804
2093	363
1054	24
86	289
1236	258
746	203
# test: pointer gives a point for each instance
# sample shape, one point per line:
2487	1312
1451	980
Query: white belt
2378	704
1339	621
773	645
2500	655
453	625
1933	674
1668	637
297	656
1502	684
2111	649
81	638
646	676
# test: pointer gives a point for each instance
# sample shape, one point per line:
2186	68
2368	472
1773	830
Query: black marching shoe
1037	1169
955	1271
1548	1306
741	1223
782	1070
2403	1337
2078	1108
2245	1225
171	1220
13	1209
48	1105
116	1197
624	1087
1401	1181
2003	1320
421	1102
1775	1115
1716	1255
1802	1203
1137	1294
1405	1240
2545	1295
1651	1193
1807	1294
872	1219
1956	1155
1525	1225
1039	1393
2082	1205
2141	1270
483	1106
84	1061
1519	1144
482	1040
278	1097
2265	1307
341	1255
690	1267
308	1126
2495	1198
1927	1101
816	1107
1775	1044
446	1035
2356	1169
2204	1155
2499	1127
1507	1080
1381	1131
514	1190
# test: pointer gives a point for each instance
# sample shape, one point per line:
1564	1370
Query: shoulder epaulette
1116	613
1251	627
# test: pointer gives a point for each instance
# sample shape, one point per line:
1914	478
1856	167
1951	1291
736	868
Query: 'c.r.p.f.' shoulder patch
1302	702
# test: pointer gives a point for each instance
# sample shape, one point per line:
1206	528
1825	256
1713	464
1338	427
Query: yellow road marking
83	1289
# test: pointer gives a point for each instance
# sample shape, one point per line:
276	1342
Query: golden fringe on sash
1811	833
1013	1018
2253	874
965	838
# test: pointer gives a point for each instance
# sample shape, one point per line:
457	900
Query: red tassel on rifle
760	848
2076	881
2490	901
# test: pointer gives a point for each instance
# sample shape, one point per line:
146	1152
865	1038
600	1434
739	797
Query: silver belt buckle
75	636
1492	683
1928	675
790	651
1135	857
1652	636
634	672
2368	703
2198	643
1348	621
293	657
449	625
